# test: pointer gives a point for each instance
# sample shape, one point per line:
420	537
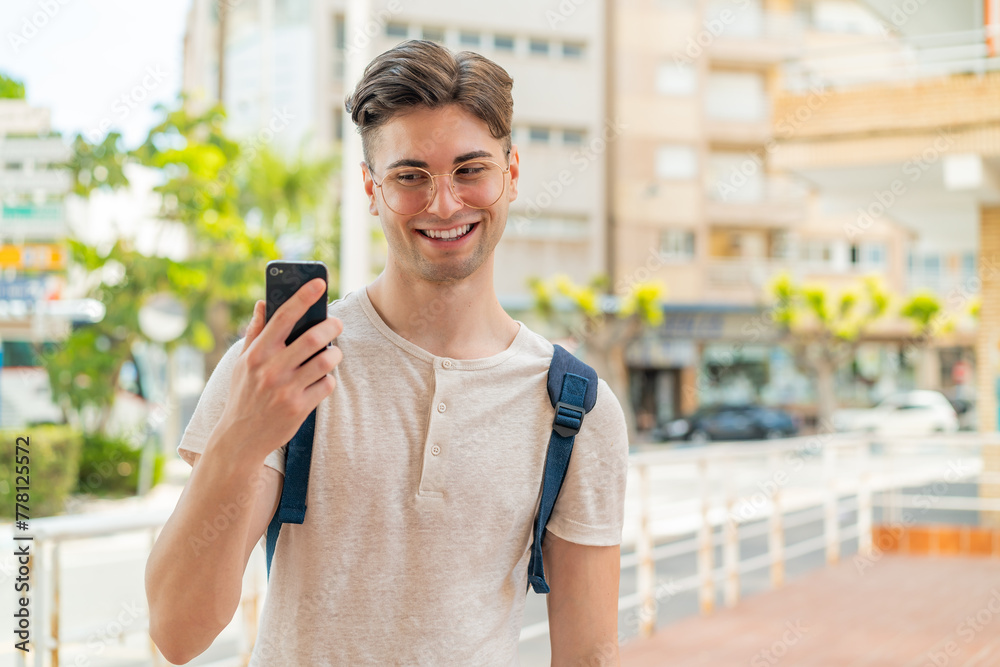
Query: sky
96	63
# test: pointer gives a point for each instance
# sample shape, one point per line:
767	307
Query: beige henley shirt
425	479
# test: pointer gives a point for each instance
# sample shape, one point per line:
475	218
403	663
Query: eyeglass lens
408	190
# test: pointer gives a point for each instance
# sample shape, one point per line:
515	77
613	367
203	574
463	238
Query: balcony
942	283
44	180
772	203
881	61
756	38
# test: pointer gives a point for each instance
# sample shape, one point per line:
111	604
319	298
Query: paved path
900	612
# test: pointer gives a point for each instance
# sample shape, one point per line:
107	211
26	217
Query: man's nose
444	203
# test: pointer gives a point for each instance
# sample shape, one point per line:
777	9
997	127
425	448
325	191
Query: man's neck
461	320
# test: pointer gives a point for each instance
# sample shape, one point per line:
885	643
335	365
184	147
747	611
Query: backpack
572	388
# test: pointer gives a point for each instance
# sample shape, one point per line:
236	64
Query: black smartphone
285	278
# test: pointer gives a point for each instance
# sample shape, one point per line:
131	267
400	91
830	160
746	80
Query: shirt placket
440	430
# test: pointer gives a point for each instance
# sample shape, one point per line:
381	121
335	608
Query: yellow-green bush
53	462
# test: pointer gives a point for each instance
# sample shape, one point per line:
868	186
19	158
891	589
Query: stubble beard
451	271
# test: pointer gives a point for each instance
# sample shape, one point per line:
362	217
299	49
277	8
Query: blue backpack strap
292	507
572	387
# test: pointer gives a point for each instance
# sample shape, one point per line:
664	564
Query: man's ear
515	171
366	174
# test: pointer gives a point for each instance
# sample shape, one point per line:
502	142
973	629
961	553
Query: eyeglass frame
451	173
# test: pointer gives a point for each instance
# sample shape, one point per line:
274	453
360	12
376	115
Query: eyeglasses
475	183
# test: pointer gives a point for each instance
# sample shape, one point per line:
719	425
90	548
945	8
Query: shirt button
442	407
446	363
435	450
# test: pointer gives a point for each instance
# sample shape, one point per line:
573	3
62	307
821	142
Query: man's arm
194	575
582	602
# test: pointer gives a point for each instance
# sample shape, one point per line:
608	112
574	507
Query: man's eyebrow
472	155
464	157
407	162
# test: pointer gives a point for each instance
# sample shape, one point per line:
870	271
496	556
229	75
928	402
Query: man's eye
470	171
410	178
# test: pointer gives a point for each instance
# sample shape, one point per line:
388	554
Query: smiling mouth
453	234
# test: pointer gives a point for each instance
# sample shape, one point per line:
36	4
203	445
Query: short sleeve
590	508
208	412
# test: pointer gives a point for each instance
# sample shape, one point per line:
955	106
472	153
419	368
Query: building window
339	41
677	79
932	265
736	96
433	34
538	135
466	38
548	227
817	252
676	162
968	264
572	50
338	124
677	244
503	42
868	256
538	47
572	137
398	30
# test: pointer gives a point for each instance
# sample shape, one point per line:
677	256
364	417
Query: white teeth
449	233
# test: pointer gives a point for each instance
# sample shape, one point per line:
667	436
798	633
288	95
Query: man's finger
288	313
256	324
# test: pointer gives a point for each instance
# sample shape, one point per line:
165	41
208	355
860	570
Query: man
430	443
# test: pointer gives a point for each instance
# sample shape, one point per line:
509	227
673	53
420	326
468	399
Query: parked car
729	422
918	412
965	408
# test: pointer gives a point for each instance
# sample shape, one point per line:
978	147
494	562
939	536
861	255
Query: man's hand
582	602
270	394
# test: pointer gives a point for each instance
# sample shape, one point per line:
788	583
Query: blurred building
702	143
33	257
288	57
754	175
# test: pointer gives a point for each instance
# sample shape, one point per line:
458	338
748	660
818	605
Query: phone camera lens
274	270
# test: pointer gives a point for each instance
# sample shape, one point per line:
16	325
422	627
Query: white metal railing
761	484
891	59
679	501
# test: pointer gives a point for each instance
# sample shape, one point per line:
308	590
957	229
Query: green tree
823	328
602	326
233	201
10	88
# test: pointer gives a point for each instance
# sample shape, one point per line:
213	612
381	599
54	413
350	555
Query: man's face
438	140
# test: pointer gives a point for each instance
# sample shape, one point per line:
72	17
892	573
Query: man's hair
422	73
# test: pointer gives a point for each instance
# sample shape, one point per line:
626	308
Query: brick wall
988	346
